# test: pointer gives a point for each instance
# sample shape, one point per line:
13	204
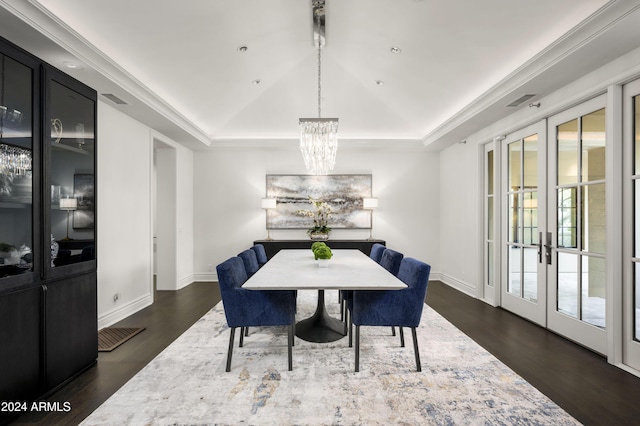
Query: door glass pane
637	300
593	218
490	274
530	218
530	274
568	153
567	217
593	290
16	179
514	166
514	225
530	166
514	283
568	284
636	189
593	146
490	176
637	134
72	176
490	218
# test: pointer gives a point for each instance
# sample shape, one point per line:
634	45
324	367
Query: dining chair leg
401	337
246	331
346	321
357	348
393	331
350	331
415	348
290	345
231	338
241	337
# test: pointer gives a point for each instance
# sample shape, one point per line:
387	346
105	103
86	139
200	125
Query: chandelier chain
319	68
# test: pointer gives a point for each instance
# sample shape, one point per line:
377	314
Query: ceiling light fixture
380	82
395	49
242	49
318	136
72	65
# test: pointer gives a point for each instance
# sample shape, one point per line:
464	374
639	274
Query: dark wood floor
578	380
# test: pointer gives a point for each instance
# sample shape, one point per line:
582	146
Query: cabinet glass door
16	172
72	174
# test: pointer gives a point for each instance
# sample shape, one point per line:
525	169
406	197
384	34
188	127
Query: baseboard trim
183	282
124	311
206	277
461	286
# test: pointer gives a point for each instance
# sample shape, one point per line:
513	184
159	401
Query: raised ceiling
179	67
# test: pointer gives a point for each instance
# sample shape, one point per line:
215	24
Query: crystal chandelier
318	136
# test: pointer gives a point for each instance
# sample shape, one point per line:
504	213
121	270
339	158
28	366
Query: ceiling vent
520	100
113	98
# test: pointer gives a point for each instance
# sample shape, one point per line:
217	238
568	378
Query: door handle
548	247
539	247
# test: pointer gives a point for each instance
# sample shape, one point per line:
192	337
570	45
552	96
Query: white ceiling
178	66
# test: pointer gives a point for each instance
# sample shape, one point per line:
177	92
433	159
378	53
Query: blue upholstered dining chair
402	308
261	254
250	261
376	252
390	261
253	308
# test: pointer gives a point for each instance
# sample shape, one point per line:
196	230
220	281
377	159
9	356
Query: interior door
523	285
631	222
576	241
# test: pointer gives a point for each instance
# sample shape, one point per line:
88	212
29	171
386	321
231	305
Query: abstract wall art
344	193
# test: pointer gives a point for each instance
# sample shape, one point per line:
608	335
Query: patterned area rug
460	382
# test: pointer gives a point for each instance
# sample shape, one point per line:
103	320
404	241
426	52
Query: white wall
459	210
229	184
124	209
174	195
124	190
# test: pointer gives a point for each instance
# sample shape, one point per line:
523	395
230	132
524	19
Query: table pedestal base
321	327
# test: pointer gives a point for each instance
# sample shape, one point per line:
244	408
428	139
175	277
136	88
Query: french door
576	245
631	226
553	224
523	289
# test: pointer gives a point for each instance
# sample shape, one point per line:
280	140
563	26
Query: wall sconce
370	204
268	204
69	204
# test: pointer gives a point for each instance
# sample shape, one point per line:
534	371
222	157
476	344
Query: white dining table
298	270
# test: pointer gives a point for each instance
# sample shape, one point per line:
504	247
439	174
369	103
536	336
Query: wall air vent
520	100
113	98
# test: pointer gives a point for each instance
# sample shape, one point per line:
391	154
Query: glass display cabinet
48	258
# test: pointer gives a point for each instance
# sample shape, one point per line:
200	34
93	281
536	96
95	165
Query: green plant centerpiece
320	215
321	250
322	253
315	246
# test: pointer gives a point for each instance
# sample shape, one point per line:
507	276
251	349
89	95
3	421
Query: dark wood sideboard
274	246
